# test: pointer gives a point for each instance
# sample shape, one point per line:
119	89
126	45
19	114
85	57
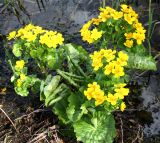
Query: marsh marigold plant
81	88
122	24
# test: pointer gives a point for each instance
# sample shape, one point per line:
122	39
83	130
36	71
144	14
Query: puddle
64	15
151	96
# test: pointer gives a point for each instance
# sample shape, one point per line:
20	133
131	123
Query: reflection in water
151	96
58	14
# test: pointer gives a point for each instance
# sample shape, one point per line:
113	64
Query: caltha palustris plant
82	89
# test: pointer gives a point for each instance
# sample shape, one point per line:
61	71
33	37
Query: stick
121	129
8	118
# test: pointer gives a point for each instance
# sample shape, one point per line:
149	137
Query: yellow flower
122	59
119	96
139	37
109	55
87	37
29	27
19	83
11	35
96	21
59	39
90	92
123	106
123	56
109	68
128	35
112	99
86	33
120	85
128	43
122	91
119	62
94	92
22	76
129	18
20	32
51	39
117	15
30	37
38	30
95	34
105	13
96	60
19	64
124	8
99	98
118	71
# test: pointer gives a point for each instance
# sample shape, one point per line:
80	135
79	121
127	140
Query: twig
137	76
56	137
121	130
129	110
8	118
137	137
41	136
36	111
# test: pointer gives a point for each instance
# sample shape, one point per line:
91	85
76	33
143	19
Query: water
64	15
151	102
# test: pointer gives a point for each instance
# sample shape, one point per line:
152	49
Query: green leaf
51	92
52	85
42	96
83	53
137	61
72	52
52	98
51	60
74	110
139	49
27	84
67	78
21	91
17	50
120	43
60	110
101	129
33	53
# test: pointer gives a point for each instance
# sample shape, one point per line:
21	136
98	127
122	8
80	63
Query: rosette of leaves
50	57
71	108
31	82
65	103
45	57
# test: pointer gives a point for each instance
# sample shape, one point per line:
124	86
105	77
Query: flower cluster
94	92
31	33
51	39
115	63
138	32
90	35
119	93
108	12
115	99
127	17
